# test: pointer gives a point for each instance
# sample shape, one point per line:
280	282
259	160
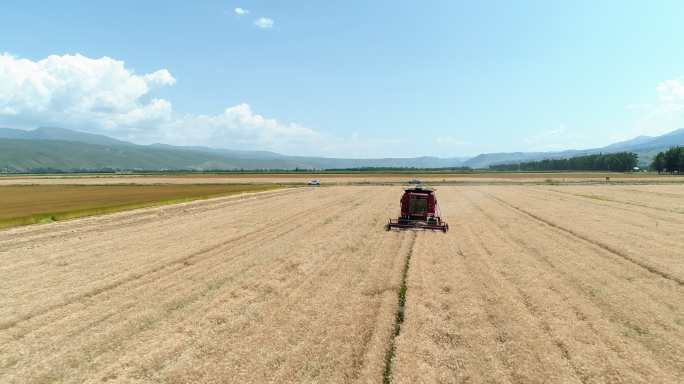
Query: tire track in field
181	264
611	311
382	336
656	193
596	199
300	284
254	238
586	239
401	306
369	238
19	236
635	223
87	253
543	325
490	298
131	330
448	336
68	230
579	316
366	356
453	332
541	318
487	274
546	295
544	259
215	288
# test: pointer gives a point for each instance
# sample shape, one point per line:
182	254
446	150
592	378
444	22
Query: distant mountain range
644	146
68	150
53	133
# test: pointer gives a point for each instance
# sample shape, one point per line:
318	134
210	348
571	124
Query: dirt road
531	285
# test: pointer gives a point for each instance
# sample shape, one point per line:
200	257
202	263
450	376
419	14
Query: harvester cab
419	209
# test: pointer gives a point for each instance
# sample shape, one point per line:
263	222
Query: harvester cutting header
419	209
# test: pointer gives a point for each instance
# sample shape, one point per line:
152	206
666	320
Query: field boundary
50	217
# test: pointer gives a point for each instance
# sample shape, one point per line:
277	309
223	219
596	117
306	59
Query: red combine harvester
419	209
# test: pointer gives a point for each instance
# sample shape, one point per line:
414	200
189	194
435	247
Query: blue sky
353	78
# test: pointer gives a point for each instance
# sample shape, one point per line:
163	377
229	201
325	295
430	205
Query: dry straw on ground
533	284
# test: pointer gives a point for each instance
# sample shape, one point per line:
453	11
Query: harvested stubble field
533	284
347	178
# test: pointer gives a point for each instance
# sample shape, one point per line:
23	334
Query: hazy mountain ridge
63	149
26	155
644	146
62	134
68	150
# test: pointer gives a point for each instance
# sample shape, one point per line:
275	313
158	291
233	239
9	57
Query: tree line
400	169
616	162
671	161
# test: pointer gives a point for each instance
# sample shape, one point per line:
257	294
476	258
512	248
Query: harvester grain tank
419	209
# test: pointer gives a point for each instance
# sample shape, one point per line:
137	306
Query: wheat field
340	178
532	284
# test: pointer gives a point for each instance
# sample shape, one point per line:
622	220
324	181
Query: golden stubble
532	284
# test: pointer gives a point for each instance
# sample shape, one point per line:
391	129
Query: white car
314	182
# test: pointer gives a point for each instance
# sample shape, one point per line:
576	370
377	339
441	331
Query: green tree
658	163
617	162
671	160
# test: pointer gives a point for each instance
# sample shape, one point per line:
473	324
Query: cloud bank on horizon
104	96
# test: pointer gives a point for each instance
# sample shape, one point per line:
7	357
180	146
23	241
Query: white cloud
557	139
671	94
103	96
160	78
664	114
79	91
264	22
240	127
241	11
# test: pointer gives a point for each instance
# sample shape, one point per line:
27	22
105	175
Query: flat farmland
532	284
31	204
352	178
